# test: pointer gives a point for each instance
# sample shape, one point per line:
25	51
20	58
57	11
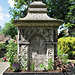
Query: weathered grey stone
37	36
45	73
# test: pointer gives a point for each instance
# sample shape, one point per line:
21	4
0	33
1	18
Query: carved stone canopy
37	12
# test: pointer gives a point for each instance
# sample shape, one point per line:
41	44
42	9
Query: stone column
55	39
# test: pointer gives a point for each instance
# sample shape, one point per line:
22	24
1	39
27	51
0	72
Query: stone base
35	73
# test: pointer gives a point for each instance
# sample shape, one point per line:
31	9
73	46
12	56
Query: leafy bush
59	52
67	46
63	67
64	58
11	51
1	59
2	46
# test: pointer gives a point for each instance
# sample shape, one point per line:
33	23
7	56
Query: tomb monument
37	36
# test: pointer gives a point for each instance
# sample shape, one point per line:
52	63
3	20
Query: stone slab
45	73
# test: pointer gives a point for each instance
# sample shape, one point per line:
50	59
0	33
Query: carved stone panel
24	55
28	32
50	52
38	51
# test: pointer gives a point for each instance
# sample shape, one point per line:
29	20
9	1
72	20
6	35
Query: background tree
0	28
9	29
60	9
70	17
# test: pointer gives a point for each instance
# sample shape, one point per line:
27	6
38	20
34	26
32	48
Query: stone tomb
37	36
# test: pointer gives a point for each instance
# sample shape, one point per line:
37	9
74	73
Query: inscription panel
38	51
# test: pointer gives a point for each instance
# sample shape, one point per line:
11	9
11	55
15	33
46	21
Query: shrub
59	52
11	51
2	46
64	58
1	59
67	46
63	67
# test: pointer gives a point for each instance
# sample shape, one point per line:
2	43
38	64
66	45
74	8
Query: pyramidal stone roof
37	11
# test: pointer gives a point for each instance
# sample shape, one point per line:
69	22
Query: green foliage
1	59
55	7
59	52
42	66
50	64
0	28
67	46
11	51
64	58
73	53
32	66
69	25
9	29
62	66
71	13
2	46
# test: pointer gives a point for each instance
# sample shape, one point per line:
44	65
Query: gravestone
37	36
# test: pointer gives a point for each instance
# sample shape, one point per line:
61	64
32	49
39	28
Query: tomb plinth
37	36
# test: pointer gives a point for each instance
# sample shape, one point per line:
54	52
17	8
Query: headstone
37	36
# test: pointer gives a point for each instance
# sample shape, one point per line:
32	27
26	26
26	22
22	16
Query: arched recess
37	50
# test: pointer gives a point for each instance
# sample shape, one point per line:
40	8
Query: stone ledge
24	43
35	73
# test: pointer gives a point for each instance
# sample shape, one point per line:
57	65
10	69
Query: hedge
67	45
